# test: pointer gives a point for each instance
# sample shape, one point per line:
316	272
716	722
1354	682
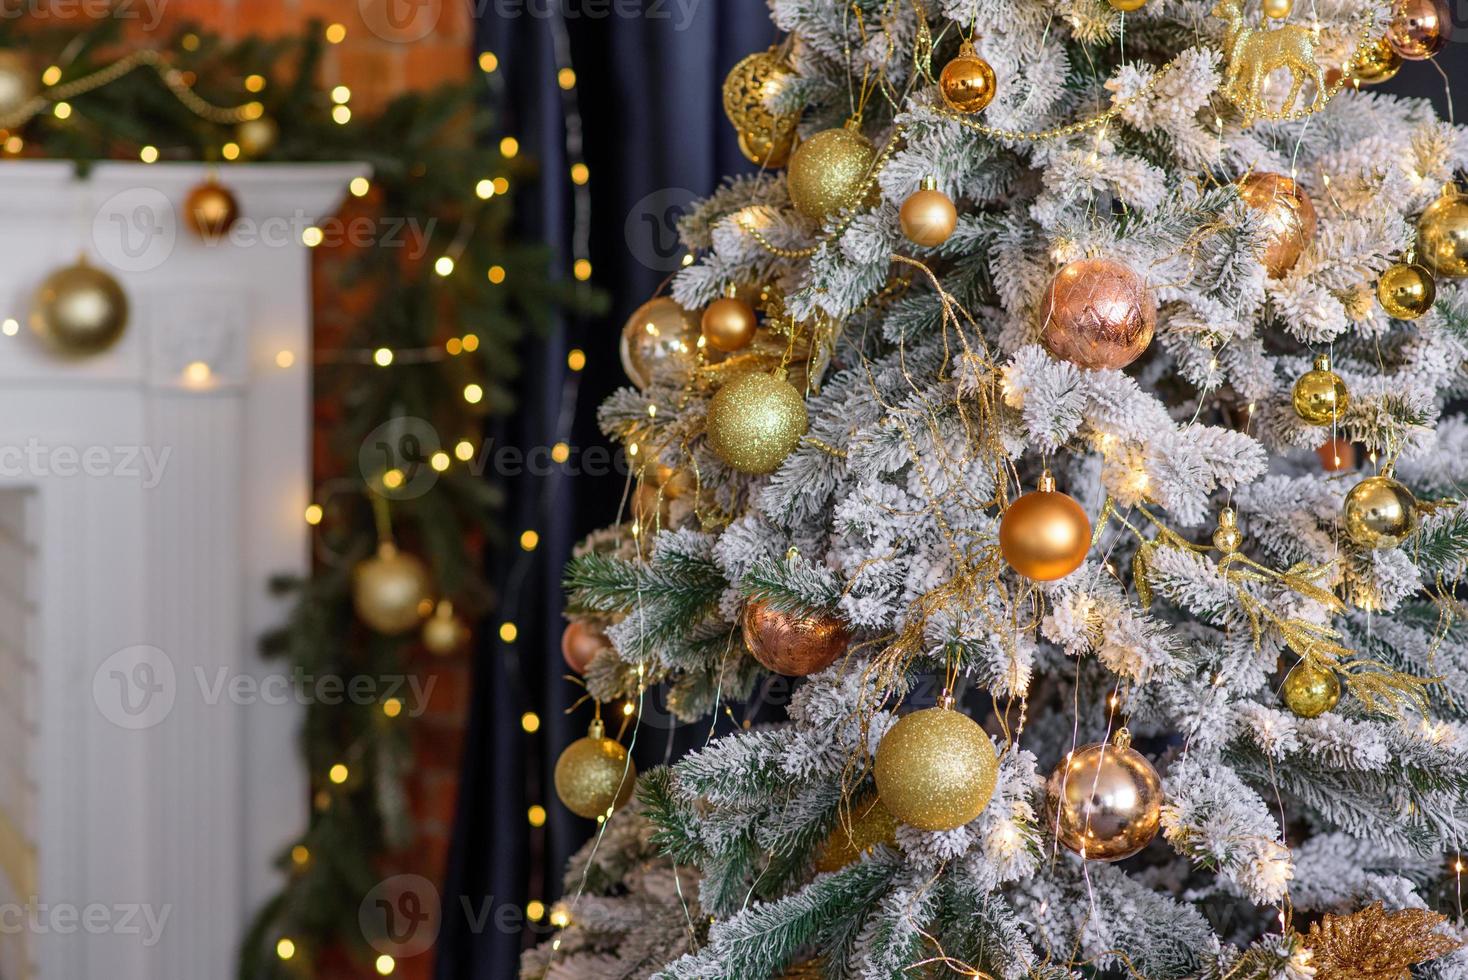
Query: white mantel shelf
181	810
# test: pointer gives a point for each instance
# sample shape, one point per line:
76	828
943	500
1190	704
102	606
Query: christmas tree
1073	401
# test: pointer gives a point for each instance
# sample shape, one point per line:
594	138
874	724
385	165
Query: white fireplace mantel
144	503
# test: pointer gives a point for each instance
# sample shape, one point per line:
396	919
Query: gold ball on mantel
829	172
1442	234
1379	513
754	421
79	310
594	775
1105	800
1310	691
390	590
1320	396
936	769
1406	291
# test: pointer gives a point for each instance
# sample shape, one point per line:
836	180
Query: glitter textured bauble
1420	29
17	81
1379	512
729	324
79	310
1105	801
257	137
659	341
594	775
1374	944
1227	537
793	644
1097	314
1310	691
1406	291
1320	396
867	825
580	643
1277	9
764	138
1336	455
829	172
390	591
967	83
754	421
444	633
1045	534
210	211
928	216
1377	62
1286	214
1442	234
936	769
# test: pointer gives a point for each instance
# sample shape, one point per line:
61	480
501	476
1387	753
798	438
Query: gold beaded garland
1320	396
967	83
1442	234
1406	290
659	341
755	420
594	774
1105	801
828	171
1045	534
389	590
928	216
1310	691
1380	512
936	769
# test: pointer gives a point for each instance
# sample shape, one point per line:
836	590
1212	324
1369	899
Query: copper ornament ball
936	769
659	341
1377	63
210	211
1285	213
967	83
1044	535
1379	513
828	173
729	324
1406	291
389	589
793	644
1336	455
79	310
1320	396
580	643
1105	801
1420	29
1442	234
928	216
594	775
1310	691
1097	314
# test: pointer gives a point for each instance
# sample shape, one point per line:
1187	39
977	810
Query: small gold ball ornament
389	590
869	825
257	137
1227	537
443	633
1277	9
755	420
17	81
729	323
580	643
1310	691
829	172
1105	801
1127	6
793	644
936	768
928	216
967	83
1097	314
1406	290
1320	396
1442	234
659	341
1380	512
1377	62
1420	28
79	310
211	210
1045	534
764	138
594	775
1286	214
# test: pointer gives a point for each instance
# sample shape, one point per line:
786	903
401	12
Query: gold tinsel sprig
1374	944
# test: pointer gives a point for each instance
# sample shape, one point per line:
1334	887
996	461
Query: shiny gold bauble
1406	291
1227	537
868	825
390	590
79	310
594	775
765	150
257	137
1105	800
1126	6
1277	9
729	324
1336	455
967	83
1310	691
1044	535
754	421
17	81
928	216
1286	215
936	769
443	632
1420	29
1380	512
1320	396
829	172
1097	314
764	138
1442	234
659	341
580	643
210	210
793	644
1377	62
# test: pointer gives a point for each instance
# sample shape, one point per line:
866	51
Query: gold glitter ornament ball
793	644
1378	63
967	83
828	172
1442	234
659	340
1044	535
389	591
79	310
1097	314
1320	396
754	421
936	769
1105	801
1310	691
867	825
1286	214
211	210
594	774
928	216
1380	512
1420	29
1406	291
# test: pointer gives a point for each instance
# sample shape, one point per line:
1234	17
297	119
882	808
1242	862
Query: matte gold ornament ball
79	310
1097	314
659	341
967	83
868	825
729	324
1420	29
580	643
390	591
1442	234
936	769
594	774
1045	534
793	644
1310	691
754	421
210	211
1320	396
1406	291
928	216
1286	214
1380	512
828	172
1277	9
1105	800
1377	63
444	633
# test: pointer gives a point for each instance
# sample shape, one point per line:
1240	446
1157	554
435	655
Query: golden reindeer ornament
1252	53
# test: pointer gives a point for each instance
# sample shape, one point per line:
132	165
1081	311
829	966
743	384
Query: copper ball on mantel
1097	314
1286	214
580	643
211	210
1420	29
793	644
